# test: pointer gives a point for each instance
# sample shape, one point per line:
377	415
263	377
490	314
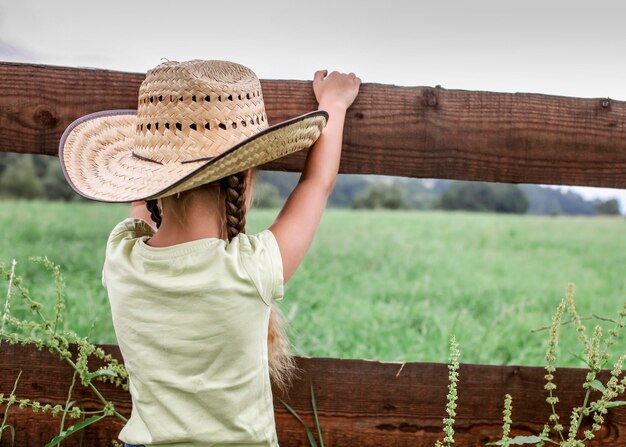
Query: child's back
192	325
194	302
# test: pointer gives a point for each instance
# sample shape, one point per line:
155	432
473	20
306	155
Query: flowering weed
595	355
44	332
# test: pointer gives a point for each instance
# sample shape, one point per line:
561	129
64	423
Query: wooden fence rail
360	402
407	131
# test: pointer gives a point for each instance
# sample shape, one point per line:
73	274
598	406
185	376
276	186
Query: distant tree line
40	177
26	176
372	192
477	196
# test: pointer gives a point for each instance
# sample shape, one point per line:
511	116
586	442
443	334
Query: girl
193	303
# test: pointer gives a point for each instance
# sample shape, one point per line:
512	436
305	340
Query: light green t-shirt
191	321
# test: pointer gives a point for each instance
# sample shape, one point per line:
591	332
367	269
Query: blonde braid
281	364
235	186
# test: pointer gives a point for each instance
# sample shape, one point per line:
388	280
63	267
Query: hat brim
97	158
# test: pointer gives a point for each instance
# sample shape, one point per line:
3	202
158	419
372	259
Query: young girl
192	296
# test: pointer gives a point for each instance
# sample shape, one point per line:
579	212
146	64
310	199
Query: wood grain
360	402
406	131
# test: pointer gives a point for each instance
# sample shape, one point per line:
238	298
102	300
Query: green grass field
382	285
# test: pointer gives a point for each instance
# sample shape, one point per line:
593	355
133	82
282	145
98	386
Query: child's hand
336	89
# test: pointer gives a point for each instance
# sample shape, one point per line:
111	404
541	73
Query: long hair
233	191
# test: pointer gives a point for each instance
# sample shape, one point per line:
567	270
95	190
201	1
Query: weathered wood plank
407	131
360	402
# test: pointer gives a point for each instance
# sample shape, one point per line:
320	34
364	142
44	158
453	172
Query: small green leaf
597	385
615	403
309	435
521	440
73	429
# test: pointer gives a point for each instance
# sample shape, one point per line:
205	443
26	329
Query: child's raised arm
299	218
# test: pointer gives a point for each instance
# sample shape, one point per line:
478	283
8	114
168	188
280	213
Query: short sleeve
129	229
261	258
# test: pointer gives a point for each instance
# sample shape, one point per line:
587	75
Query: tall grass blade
317	422
308	432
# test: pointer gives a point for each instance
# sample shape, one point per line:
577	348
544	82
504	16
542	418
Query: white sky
570	48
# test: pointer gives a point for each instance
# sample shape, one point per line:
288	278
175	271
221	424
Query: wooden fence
408	131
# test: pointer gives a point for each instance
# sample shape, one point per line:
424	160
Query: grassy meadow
387	285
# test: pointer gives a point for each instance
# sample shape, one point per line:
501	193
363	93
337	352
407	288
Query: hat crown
195	110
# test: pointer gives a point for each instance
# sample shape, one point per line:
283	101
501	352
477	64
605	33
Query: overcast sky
571	48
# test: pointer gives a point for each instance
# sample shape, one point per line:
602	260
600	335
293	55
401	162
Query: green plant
44	332
453	377
309	433
596	356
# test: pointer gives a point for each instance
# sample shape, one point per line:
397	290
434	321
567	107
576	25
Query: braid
282	366
235	202
155	213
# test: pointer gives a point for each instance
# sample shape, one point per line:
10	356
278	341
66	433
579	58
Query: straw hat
196	122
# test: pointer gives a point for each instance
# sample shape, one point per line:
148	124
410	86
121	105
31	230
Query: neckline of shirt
184	248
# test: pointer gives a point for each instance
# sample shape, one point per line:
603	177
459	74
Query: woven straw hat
196	122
